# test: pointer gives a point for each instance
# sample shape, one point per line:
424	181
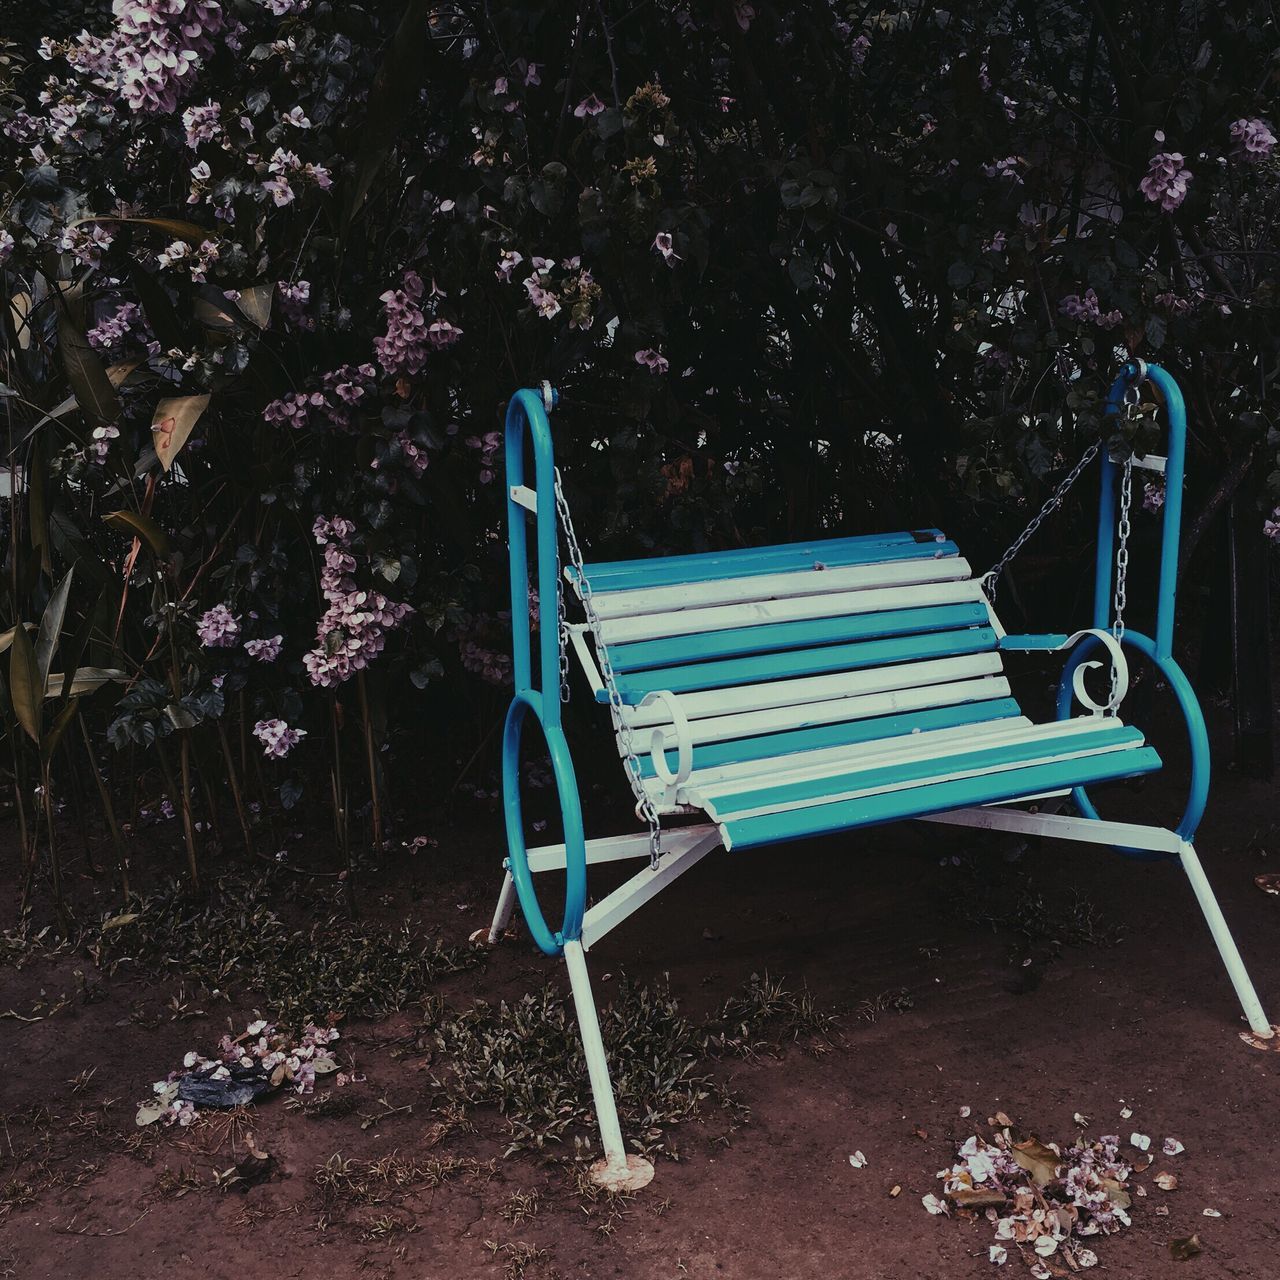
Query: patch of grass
525	1058
764	1017
323	1106
382	1181
173	1184
895	1001
517	1257
1040	916
332	966
521	1206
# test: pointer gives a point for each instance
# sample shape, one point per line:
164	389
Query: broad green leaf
140	526
6	637
255	303
25	687
20	309
81	681
89	382
58	728
51	625
159	308
175	227
391	98
172	423
119	373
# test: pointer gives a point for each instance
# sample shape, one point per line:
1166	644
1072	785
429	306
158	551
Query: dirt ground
1000	1019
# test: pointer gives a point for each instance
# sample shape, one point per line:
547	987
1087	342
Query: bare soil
1002	1019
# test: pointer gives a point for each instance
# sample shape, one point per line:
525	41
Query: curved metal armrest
658	743
1056	643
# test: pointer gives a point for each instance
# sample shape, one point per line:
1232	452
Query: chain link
991	579
644	803
1132	401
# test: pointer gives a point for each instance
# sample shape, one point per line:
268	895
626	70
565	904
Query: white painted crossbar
835	604
779	586
714	808
790	693
855	707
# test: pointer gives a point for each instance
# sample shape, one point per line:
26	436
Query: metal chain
562	630
644	803
991	578
1132	400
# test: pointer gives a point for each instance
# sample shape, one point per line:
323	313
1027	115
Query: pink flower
1271	526
744	13
509	261
277	738
1166	180
264	650
1088	311
665	244
1253	139
652	360
545	302
403	348
532	75
589	106
219	628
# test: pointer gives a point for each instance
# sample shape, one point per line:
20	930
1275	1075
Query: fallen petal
1172	1147
1139	1140
998	1254
857	1160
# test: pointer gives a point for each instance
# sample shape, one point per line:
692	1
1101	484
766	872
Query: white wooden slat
739	815
843	684
849	754
895	752
686	622
836	710
780	586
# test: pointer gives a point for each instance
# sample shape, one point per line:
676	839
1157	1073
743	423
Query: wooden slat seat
833	685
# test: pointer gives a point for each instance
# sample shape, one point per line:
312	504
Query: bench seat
831	685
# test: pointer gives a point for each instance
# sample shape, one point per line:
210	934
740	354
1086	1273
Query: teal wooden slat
746	562
961	761
848	734
739	641
891	806
793	663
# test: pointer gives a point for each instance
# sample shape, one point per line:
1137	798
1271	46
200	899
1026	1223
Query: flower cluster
285	171
334	403
652	360
277	738
114	330
403	349
1166	180
218	628
153	54
1087	310
265	650
1253	139
487	447
353	630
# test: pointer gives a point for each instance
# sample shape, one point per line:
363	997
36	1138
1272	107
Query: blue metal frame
527	423
1160	648
527	415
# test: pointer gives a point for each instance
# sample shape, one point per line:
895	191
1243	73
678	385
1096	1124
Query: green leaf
172	424
25	686
81	680
51	626
175	227
140	526
58	728
255	304
160	311
88	378
393	96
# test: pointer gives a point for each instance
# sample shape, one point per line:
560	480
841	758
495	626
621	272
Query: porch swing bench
795	691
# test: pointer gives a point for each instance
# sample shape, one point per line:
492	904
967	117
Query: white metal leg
617	1171
506	905
613	909
1060	826
1226	944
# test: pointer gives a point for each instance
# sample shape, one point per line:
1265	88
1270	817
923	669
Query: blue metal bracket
1159	649
527	417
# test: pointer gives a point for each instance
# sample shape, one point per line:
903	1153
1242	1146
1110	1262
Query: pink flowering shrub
268	261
